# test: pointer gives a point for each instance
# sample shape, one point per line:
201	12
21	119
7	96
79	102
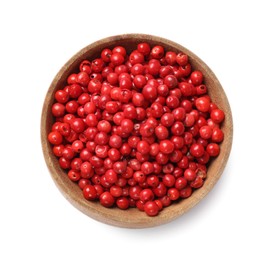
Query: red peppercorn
122	203
117	59
196	77
55	138
144	48
136	57
167	119
89	192
149	92
106	199
62	96
170	57
58	110
64	163
78	125
203	104
127	126
217	135
147	168
213	149
143	147
185	192
151	208
136	129
181	59
217	115
197	150
146	195
205	132
173	194
180	183
157	52
166	146
73	175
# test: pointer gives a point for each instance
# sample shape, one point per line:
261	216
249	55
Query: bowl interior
133	218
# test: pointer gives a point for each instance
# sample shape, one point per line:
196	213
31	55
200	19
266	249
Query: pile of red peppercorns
136	129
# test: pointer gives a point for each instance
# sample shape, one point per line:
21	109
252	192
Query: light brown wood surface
133	218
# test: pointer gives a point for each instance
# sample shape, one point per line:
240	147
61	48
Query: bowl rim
106	215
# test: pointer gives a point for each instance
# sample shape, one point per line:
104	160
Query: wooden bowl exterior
133	218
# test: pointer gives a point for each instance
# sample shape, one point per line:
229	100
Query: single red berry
114	154
143	147
186	192
147	168
73	175
139	81
152	181
144	48
213	149
197	150
136	57
55	138
157	52
170	81
146	195
62	96
201	89
75	90
187	89
168	180
217	115
189	174
149	92
104	126
151	208
196	77
97	65
122	203
202	104
180	183
68	152
134	192
139	176
177	129
217	135
116	191
153	67
106	199
120	167
89	192
127	126
167	119
182	59
58	110
111	176
57	150
117	59
78	125
64	163
166	146
205	132
170	57
173	194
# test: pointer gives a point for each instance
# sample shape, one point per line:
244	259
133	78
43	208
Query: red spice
136	129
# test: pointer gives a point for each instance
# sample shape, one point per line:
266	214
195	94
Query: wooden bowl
133	218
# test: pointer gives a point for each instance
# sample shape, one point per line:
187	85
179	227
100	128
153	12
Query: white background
233	37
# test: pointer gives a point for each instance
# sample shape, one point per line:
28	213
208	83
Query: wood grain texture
133	218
